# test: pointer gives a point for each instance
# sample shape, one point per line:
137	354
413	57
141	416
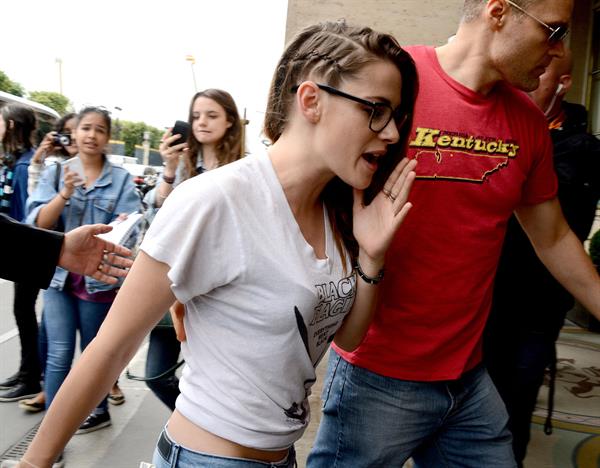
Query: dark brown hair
335	51
59	127
229	148
17	140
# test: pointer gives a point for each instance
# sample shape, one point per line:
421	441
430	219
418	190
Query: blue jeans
64	314
169	454
163	351
372	421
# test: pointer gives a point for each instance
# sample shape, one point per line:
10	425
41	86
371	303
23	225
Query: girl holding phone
213	139
274	256
74	302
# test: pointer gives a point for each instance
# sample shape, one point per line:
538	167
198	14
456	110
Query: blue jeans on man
374	421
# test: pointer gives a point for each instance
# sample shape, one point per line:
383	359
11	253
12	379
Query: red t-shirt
479	157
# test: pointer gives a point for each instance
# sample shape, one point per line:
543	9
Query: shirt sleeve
43	193
34	171
542	184
196	233
41	245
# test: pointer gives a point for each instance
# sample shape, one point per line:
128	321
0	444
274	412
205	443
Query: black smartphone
182	128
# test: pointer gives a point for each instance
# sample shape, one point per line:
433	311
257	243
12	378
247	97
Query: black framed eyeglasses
381	112
557	33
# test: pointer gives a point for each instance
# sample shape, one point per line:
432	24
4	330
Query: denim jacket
111	194
19	186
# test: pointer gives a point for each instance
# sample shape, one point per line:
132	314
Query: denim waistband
167	448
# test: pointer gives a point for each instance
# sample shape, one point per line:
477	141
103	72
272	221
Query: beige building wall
410	21
432	22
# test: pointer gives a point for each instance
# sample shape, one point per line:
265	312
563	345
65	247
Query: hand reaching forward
374	226
84	253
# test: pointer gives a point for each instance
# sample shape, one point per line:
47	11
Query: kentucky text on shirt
431	138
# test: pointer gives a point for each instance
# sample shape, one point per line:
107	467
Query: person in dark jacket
78	251
529	305
17	126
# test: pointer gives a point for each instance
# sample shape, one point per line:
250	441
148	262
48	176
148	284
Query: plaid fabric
6	188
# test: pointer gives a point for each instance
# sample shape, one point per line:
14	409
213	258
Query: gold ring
100	267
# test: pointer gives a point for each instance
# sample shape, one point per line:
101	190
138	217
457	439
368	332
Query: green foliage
132	133
9	86
595	248
55	101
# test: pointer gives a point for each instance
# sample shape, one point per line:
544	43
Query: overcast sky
131	54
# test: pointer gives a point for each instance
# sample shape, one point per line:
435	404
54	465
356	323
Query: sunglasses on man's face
555	35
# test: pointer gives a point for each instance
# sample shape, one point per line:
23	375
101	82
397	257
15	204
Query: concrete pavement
136	424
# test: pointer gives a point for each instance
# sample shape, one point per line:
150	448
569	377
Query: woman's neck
91	160
209	157
301	178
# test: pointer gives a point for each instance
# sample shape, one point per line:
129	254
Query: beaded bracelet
63	197
368	279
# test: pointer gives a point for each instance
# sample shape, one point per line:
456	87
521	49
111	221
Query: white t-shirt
261	307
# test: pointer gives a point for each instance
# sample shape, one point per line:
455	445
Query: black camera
61	139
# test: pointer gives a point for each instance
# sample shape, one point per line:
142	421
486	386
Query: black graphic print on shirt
335	301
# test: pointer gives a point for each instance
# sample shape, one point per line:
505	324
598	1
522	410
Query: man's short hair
472	8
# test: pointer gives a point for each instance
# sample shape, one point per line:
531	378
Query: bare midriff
193	437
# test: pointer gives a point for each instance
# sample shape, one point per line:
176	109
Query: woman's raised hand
71	179
374	226
45	148
171	154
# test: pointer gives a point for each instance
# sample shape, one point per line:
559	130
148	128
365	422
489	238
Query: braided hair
334	51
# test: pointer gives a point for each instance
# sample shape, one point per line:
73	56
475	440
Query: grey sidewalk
135	427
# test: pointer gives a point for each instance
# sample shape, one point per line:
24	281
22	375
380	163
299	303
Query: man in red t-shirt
415	386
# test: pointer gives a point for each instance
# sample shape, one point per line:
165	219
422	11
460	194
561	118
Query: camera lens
61	140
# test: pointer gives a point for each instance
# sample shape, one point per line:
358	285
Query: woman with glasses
274	256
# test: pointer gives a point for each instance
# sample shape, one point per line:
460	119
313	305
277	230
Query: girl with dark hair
17	125
56	146
73	302
214	140
274	256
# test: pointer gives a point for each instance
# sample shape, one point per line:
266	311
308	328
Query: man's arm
561	252
85	253
32	254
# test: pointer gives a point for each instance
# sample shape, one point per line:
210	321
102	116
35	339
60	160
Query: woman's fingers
398	185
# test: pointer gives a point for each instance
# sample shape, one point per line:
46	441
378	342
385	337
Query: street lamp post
117	123
192	60
59	61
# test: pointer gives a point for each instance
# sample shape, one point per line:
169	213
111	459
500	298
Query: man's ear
308	101
495	11
564	82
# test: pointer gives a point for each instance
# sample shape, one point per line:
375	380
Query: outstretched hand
85	254
374	226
